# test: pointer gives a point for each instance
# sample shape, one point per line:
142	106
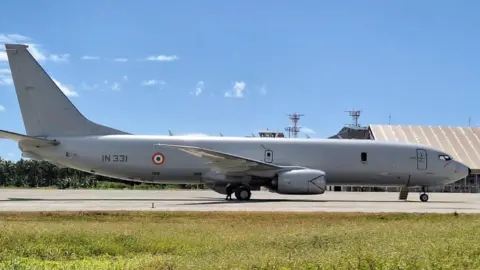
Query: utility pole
355	114
294	129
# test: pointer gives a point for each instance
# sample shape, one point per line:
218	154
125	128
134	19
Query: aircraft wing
28	140
226	163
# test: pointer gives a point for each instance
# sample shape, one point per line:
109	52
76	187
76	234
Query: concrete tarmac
206	200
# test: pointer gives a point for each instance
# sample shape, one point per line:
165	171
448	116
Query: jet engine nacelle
301	181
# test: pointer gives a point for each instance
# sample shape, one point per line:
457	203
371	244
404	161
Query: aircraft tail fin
46	110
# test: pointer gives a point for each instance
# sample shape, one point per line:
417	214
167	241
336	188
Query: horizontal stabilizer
225	162
28	140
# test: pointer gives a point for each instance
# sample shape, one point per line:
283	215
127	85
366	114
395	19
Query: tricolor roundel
158	158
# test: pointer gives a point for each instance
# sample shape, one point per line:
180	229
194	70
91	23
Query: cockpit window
445	157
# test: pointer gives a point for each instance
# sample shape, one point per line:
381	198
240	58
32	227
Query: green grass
238	240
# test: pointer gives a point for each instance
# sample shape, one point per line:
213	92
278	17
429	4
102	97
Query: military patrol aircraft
58	133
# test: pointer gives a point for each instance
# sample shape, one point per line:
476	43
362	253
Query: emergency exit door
421	159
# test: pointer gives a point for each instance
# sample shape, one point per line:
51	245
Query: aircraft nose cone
462	170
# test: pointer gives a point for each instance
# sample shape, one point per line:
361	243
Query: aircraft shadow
110	199
207	201
314	201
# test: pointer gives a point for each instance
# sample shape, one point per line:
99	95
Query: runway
206	200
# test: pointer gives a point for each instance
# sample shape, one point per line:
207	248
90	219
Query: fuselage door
421	159
268	156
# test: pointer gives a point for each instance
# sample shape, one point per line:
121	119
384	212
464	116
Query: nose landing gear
423	196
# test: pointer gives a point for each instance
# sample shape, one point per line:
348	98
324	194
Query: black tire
243	193
424	197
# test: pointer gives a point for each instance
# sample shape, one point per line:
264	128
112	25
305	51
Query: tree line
36	174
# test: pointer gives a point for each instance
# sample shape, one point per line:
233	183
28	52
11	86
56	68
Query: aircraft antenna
355	114
294	128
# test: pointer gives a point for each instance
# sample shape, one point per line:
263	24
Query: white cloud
67	90
306	130
11	157
88	57
115	86
120	59
59	58
6	80
5	71
237	91
152	82
36	53
89	87
263	90
11	38
199	88
163	58
2	108
33	48
5	76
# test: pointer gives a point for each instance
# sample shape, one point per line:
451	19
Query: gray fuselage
130	157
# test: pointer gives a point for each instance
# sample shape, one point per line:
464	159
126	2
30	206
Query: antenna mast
294	129
355	114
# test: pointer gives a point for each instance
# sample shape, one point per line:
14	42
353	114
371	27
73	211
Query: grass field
170	240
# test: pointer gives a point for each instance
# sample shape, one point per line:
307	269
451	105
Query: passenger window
364	156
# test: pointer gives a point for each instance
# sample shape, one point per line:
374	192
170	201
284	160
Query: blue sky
163	65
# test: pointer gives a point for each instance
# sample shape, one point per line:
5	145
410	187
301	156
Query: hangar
462	143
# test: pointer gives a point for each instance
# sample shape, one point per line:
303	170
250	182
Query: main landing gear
423	196
243	192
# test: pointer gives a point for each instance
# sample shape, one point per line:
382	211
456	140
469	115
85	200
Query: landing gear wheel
243	193
423	197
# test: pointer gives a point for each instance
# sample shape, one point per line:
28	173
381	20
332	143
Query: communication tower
355	114
294	129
